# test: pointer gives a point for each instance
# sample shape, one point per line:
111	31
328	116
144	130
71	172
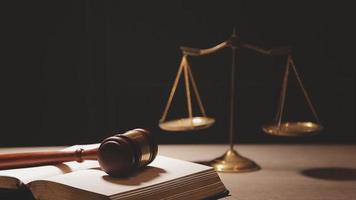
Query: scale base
232	161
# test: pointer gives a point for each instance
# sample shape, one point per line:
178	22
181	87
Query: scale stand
231	161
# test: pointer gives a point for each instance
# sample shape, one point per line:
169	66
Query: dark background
73	71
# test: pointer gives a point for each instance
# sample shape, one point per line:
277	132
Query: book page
162	169
12	177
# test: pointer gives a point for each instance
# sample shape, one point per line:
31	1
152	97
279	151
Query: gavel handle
17	160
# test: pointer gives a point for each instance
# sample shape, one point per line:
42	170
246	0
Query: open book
164	178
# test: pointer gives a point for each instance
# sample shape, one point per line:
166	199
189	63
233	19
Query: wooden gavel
117	155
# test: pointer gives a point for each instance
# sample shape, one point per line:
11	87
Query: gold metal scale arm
292	128
192	122
200	52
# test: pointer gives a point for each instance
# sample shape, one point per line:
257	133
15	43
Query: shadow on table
202	162
209	163
331	173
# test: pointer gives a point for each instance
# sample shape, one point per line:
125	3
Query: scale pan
293	128
187	124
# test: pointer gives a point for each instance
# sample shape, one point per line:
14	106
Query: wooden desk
289	172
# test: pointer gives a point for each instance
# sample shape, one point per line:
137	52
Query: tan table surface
310	172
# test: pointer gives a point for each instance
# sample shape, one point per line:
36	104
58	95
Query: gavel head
124	153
